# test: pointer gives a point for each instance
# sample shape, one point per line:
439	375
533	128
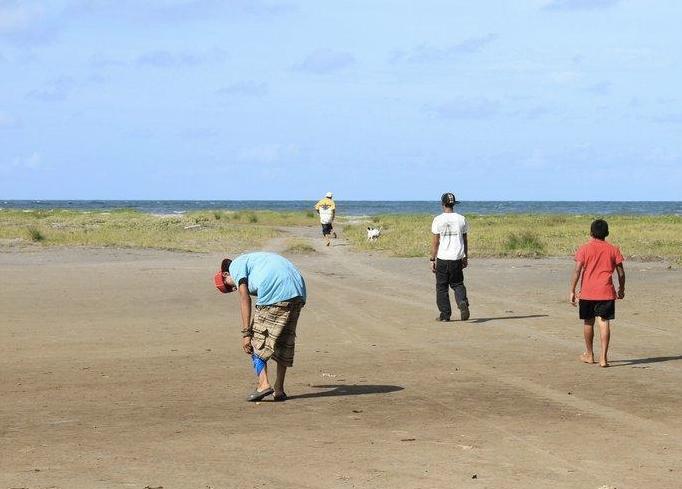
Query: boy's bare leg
263	382
605	337
588	332
279	381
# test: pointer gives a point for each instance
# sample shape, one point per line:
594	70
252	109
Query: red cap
220	283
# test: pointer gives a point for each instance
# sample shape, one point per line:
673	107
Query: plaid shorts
274	331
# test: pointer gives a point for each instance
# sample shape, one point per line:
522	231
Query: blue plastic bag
258	363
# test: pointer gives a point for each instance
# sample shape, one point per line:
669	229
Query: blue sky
371	99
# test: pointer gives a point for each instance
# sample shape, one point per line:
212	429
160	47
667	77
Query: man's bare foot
587	358
604	364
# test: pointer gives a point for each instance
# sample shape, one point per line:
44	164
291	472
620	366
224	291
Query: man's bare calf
604	337
588	332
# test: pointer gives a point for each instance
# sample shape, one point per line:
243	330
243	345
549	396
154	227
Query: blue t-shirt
271	277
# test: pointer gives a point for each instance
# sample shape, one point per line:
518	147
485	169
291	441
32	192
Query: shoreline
356	207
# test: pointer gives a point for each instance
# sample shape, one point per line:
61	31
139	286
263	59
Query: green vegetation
300	247
34	234
642	237
196	231
525	243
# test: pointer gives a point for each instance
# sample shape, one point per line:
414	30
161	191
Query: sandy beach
123	369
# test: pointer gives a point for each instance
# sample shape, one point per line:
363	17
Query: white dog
373	233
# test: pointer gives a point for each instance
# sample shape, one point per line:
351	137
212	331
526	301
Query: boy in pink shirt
595	261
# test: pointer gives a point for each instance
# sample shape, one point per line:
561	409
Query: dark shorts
592	309
327	229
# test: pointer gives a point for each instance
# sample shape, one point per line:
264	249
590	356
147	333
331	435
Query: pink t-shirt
599	260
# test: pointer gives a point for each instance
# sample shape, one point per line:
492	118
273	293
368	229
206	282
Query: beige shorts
274	331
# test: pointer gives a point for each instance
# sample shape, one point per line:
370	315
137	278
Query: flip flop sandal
260	395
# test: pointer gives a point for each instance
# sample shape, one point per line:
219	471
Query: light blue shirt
271	277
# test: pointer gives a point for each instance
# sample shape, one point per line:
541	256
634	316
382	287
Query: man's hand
245	306
577	271
465	262
433	266
621	292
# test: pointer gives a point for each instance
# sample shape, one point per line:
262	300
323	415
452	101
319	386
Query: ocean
361	207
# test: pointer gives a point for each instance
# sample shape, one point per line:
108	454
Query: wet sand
123	369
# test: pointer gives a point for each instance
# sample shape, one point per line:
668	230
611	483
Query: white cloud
31	162
7	121
579	4
54	91
466	108
664	157
324	61
199	133
17	16
601	88
537	160
248	87
177	11
101	60
670	118
426	53
267	153
169	59
24	22
566	77
530	112
536	112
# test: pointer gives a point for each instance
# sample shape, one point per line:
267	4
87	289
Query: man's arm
435	242
245	306
465	260
574	281
621	280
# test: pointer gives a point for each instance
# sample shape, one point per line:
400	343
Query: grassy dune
642	237
299	246
197	231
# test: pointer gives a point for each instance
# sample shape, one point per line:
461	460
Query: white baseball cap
329	194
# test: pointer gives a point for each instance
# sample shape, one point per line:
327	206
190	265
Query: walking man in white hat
326	208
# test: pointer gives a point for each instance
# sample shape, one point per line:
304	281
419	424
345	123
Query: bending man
270	332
